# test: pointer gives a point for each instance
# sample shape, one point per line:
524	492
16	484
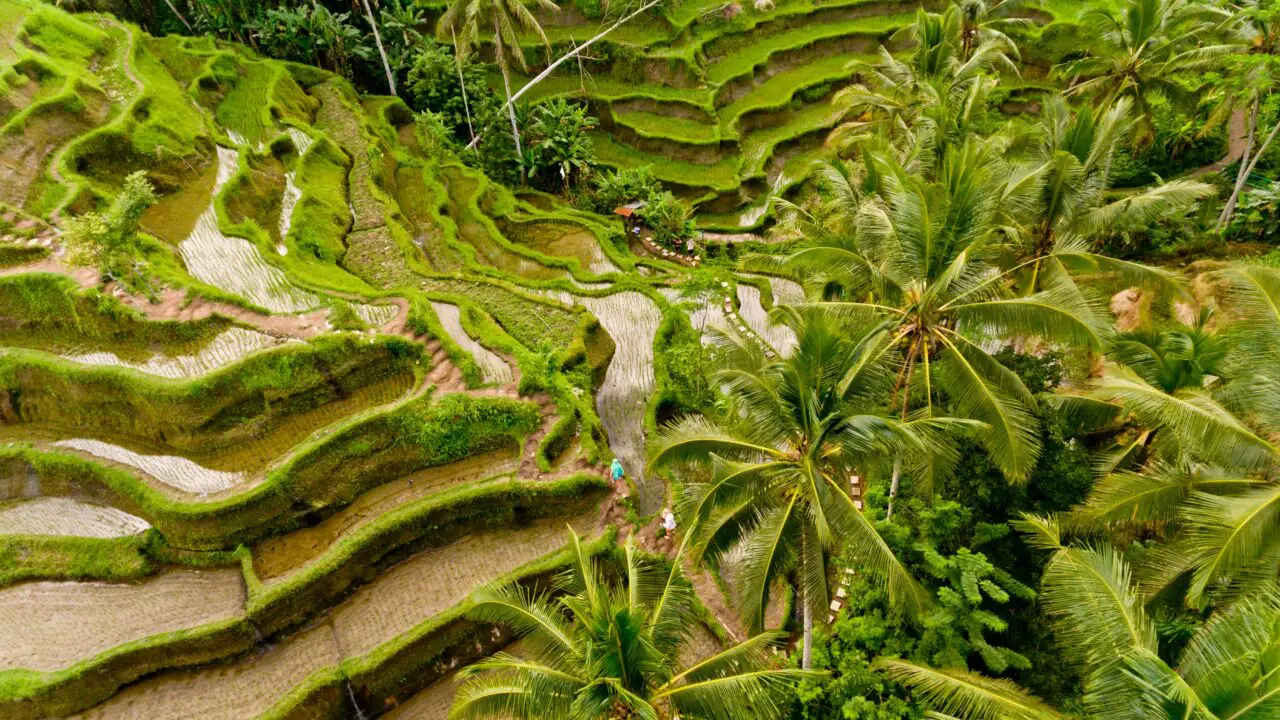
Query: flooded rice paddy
495	369
280	555
632	320
780	337
176	472
229	346
292	193
234	264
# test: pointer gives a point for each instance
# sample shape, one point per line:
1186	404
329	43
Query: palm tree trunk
893	487
466	106
806	657
377	39
175	12
1244	176
506	81
576	52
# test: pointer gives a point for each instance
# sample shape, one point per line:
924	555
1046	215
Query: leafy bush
1177	148
109	241
433	133
614	189
558	152
433	86
669	218
590	9
1257	217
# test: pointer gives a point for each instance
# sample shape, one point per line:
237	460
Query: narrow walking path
1237	140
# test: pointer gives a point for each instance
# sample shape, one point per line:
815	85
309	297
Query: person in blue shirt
616	473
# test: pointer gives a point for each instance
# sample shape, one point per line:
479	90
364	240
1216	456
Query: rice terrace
640	359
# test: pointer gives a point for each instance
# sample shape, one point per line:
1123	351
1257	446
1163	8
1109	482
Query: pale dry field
50	625
411	592
67	517
242	689
435	580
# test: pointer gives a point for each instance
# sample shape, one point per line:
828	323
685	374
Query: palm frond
1100	614
967	695
756	694
1228	534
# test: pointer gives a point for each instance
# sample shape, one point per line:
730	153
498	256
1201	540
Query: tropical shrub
559	154
433	85
670	219
109	241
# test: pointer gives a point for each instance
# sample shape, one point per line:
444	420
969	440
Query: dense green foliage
969	409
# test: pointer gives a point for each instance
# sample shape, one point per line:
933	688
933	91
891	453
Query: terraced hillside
358	383
730	102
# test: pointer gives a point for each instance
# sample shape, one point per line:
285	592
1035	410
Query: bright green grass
777	91
59	36
669	127
742	62
172	119
720	175
758	146
244	109
605	87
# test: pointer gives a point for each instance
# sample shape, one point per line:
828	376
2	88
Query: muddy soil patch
243	689
280	555
561	240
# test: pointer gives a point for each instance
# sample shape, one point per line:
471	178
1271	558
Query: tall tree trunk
893	486
506	82
571	54
806	658
377	39
174	9
466	105
1244	176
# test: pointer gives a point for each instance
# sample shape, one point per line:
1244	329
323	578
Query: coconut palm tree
936	92
1184	395
598	650
1137	53
1222	527
1070	170
986	22
466	20
777	502
1226	672
923	254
